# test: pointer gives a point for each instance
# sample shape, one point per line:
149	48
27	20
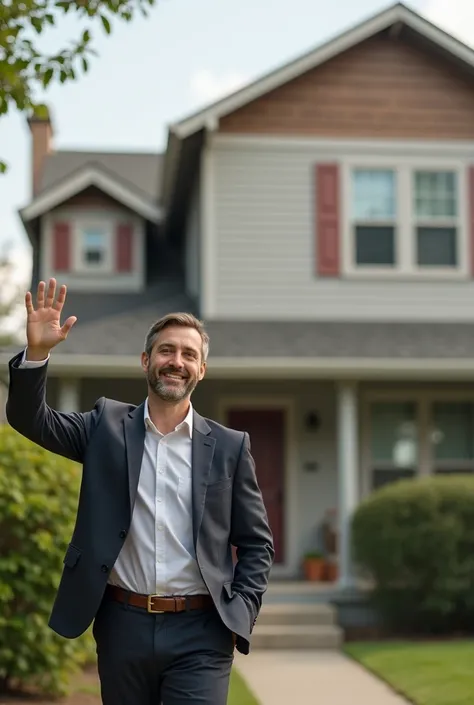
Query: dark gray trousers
169	659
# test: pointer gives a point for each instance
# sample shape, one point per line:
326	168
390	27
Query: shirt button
159	499
105	568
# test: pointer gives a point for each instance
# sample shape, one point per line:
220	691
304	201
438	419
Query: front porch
320	447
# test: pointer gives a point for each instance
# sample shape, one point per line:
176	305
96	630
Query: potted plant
313	566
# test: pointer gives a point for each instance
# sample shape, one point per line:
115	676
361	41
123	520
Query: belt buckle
150	607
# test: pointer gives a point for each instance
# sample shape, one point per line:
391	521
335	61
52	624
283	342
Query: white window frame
78	263
405	230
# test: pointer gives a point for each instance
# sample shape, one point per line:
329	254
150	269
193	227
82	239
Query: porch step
296	636
294	614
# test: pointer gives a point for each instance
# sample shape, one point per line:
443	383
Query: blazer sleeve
65	434
250	533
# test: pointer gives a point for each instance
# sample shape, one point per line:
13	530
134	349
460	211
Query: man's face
175	365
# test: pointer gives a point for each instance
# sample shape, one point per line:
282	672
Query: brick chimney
41	145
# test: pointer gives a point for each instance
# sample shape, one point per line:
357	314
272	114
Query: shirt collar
188	421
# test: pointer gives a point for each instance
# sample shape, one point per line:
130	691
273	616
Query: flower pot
313	569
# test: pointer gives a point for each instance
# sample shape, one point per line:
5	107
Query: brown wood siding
92	198
383	88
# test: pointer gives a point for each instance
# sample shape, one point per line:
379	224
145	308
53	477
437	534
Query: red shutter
124	249
471	217
61	247
327	220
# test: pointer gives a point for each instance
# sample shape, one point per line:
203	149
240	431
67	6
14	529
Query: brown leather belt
157	604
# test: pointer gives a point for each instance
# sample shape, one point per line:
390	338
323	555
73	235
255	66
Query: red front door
266	428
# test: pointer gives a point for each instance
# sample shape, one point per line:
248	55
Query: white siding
264	259
192	239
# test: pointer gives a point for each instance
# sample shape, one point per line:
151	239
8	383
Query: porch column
68	395
348	454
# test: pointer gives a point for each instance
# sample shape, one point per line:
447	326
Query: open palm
43	327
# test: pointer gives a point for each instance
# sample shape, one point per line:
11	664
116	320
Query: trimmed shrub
38	500
415	538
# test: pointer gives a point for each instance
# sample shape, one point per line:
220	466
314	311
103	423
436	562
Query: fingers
40	295
29	303
50	294
67	326
45	299
61	298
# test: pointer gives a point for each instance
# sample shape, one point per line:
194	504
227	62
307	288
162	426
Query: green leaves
38	499
26	69
106	24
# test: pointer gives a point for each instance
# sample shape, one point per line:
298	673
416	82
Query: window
93	247
452	438
436	213
374	217
393	442
406	220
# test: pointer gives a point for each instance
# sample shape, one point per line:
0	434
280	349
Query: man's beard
168	391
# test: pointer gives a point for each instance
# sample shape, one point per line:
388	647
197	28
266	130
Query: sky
155	71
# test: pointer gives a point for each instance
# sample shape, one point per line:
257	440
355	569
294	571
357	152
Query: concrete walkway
312	678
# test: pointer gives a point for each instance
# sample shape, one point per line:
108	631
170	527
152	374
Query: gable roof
141	170
92	174
398	14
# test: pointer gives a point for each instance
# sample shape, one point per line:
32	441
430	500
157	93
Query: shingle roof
141	170
123	334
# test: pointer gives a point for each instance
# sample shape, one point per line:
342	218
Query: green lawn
427	673
239	694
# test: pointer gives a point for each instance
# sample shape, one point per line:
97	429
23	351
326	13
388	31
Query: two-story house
321	221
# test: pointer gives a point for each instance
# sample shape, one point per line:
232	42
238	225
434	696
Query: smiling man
165	495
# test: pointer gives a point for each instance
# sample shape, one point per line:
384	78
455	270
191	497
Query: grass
427	673
239	693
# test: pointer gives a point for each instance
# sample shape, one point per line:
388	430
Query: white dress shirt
158	555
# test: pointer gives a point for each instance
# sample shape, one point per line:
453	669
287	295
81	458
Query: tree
25	69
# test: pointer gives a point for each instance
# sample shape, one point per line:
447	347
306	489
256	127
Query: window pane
375	245
394	437
436	247
373	195
93	246
452	434
435	194
93	239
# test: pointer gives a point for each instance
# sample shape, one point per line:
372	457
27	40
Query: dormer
91	215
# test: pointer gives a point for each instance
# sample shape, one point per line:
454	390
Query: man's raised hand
43	327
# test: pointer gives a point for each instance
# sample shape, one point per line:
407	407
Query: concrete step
297	613
298	636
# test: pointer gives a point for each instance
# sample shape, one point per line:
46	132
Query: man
165	494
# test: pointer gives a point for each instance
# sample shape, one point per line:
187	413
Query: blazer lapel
202	455
134	429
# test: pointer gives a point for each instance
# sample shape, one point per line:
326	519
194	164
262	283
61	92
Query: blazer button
123	534
105	569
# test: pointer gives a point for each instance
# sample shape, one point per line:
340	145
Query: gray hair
185	320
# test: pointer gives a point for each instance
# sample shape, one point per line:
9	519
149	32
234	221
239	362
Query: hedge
415	538
38	501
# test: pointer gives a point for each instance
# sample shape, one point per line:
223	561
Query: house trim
208	239
380	369
331	147
90	176
396	14
290	510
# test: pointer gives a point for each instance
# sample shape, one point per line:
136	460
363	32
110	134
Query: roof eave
77	182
